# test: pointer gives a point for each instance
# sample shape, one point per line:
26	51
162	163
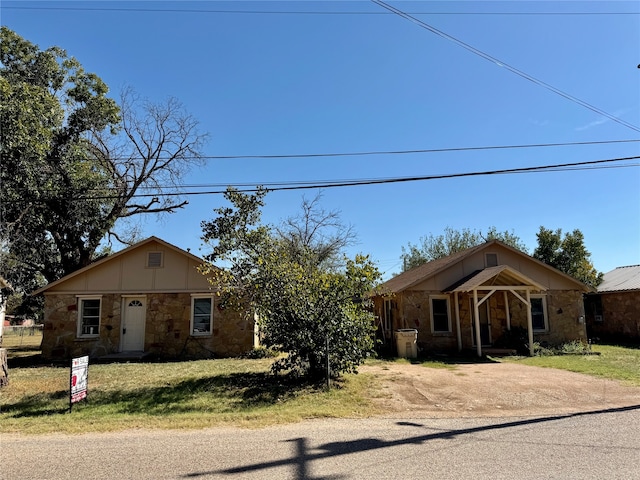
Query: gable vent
491	259
154	259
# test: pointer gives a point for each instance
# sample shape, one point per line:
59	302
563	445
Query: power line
500	63
428	150
304	185
299	184
353	183
389	152
303	12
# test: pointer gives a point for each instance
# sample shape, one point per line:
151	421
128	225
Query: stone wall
620	317
167	329
497	314
565	314
416	313
59	336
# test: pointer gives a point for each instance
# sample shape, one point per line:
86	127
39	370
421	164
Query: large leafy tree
432	247
75	162
568	254
307	304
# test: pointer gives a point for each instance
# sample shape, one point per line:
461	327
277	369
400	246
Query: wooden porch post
529	323
506	309
458	333
477	322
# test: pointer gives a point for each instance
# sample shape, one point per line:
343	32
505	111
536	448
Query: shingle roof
620	279
415	275
502	275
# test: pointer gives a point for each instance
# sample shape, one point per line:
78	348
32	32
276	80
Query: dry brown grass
175	395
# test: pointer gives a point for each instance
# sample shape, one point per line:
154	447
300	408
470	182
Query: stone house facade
150	299
613	312
492	291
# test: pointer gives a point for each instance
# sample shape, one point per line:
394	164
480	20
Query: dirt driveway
494	389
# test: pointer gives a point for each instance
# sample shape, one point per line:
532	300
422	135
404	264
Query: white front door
133	321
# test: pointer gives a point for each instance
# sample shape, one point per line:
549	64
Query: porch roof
501	277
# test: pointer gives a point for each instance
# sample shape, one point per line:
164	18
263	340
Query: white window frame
544	312
80	299
440	297
192	316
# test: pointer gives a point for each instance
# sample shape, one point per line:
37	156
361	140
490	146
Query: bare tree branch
317	230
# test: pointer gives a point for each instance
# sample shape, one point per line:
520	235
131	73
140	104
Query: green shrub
575	347
542	351
261	352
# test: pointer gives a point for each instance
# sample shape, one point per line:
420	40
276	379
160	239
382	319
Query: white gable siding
476	261
129	273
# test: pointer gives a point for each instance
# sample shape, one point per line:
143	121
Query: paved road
594	445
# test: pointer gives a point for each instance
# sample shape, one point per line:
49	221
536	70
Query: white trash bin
407	342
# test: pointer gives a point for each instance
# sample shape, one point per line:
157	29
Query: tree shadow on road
303	455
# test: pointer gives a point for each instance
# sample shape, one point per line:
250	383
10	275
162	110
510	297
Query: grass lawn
174	395
21	342
207	393
618	363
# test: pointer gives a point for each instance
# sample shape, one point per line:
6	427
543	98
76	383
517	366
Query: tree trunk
4	368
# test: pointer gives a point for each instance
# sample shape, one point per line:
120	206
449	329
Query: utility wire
500	63
286	186
353	183
298	184
299	12
429	150
387	152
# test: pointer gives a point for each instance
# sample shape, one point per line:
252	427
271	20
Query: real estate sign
79	379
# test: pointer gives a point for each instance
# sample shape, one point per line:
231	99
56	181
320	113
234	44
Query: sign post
78	380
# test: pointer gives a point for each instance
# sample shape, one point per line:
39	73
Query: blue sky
353	77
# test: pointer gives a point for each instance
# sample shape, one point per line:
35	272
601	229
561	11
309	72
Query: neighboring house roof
621	279
416	275
116	255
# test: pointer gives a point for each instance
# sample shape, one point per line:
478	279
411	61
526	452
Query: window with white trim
201	315
440	317
539	318
89	316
